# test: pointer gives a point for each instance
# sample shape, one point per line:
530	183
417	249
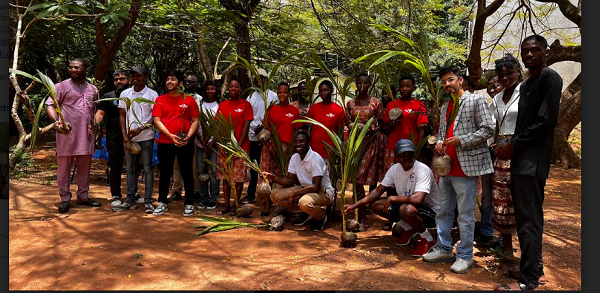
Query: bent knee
408	210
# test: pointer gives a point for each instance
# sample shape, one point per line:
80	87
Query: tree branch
559	53
569	10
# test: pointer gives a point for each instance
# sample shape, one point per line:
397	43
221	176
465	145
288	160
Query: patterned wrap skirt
269	162
240	169
504	211
371	169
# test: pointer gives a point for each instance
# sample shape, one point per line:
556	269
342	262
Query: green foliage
24	163
223	224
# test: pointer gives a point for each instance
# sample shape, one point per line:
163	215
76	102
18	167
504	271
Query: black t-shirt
111	109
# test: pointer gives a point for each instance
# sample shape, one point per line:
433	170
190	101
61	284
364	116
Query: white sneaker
140	199
116	201
160	209
188	210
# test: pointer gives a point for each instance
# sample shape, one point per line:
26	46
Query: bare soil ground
95	248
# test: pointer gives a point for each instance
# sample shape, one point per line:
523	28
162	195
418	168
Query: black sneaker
64	206
486	240
318	225
211	206
128	204
302	219
175	196
247	200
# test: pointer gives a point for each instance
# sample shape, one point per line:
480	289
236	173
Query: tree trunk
204	63
108	50
568	118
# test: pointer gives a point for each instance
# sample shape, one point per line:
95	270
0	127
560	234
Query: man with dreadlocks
530	149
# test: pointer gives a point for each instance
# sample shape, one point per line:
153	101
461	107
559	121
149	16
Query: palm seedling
267	134
132	146
223	224
350	155
49	91
417	61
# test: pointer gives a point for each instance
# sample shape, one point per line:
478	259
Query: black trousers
166	157
255	151
116	156
528	198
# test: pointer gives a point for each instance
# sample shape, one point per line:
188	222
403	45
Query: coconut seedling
441	164
223	224
349	154
48	92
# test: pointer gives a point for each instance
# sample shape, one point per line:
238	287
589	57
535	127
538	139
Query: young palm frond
49	92
223	224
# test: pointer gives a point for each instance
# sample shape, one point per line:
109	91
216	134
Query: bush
24	164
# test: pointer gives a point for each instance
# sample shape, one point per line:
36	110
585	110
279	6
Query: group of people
507	143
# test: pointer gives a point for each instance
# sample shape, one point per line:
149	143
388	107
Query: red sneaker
423	246
406	237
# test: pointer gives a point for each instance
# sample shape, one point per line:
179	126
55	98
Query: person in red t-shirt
241	114
413	120
176	117
329	114
280	117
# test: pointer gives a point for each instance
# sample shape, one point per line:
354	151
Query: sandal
516	286
387	226
516	274
224	211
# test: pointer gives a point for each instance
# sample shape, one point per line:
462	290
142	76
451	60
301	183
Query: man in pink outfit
76	143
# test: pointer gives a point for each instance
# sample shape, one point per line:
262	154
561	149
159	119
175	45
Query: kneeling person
416	205
315	190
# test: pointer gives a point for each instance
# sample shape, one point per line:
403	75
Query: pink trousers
63	176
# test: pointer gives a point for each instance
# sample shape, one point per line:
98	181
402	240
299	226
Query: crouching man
415	206
315	191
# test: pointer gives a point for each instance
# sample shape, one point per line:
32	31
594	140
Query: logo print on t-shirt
239	110
330	115
289	115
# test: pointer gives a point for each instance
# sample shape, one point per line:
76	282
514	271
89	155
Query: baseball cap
141	70
404	145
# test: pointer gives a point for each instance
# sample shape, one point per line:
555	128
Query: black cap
404	145
141	70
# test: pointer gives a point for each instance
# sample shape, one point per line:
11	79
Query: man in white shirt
416	204
258	108
190	82
315	191
138	119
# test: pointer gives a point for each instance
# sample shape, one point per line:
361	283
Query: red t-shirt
281	118
174	112
240	111
413	116
332	116
455	169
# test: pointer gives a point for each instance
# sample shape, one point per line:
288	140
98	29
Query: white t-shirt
258	107
198	98
506	114
143	111
312	165
206	108
419	178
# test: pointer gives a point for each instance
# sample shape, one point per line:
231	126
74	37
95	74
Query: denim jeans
133	167
487	210
466	198
214	182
